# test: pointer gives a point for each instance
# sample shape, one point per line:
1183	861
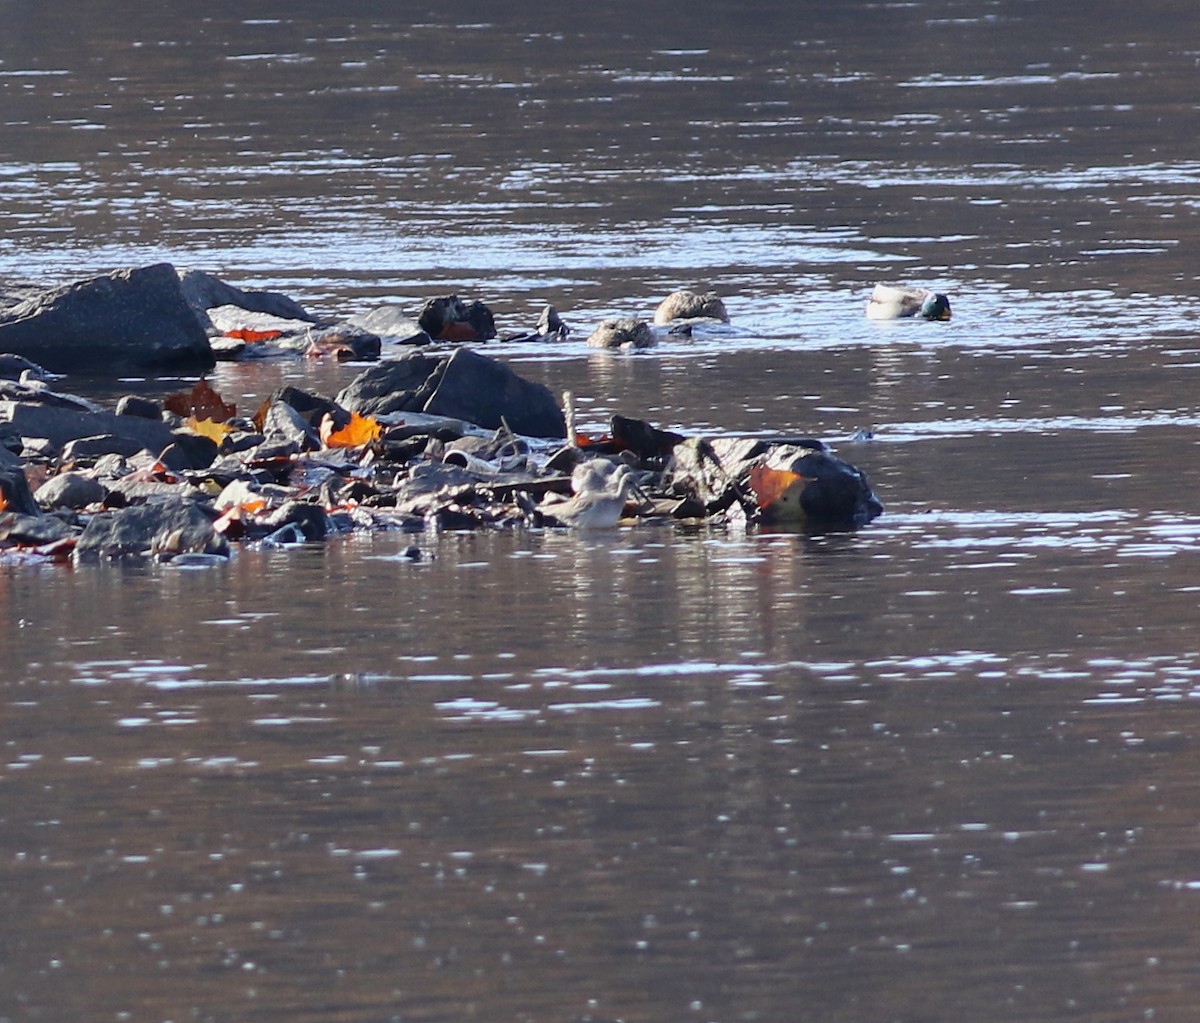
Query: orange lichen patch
201	402
771	486
359	431
246	334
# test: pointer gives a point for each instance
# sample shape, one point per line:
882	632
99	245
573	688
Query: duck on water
892	303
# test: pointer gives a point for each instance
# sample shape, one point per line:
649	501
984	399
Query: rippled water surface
938	769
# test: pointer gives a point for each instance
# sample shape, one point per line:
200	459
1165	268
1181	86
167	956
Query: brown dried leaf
201	402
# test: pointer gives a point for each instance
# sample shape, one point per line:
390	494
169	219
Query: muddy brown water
943	768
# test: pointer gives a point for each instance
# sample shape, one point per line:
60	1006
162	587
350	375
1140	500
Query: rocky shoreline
428	440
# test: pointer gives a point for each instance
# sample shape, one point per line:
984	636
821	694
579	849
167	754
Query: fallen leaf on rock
359	431
246	334
201	402
769	485
215	432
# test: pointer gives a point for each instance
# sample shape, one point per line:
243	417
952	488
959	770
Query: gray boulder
166	526
128	319
464	385
70	490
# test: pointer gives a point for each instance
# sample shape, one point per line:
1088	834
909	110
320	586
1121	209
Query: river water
942	768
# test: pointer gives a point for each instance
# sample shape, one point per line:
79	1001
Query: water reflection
938	768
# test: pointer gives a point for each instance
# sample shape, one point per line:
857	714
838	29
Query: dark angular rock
10	439
14	489
188	451
204	291
13	293
550	325
37	393
69	490
170	525
827	493
644	440
282	422
399	385
489	394
465	385
135	405
135	318
312	407
309	519
835	494
449	318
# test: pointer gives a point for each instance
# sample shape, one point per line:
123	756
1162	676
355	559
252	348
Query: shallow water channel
942	768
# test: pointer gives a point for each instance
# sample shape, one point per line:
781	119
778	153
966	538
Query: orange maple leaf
360	430
769	485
